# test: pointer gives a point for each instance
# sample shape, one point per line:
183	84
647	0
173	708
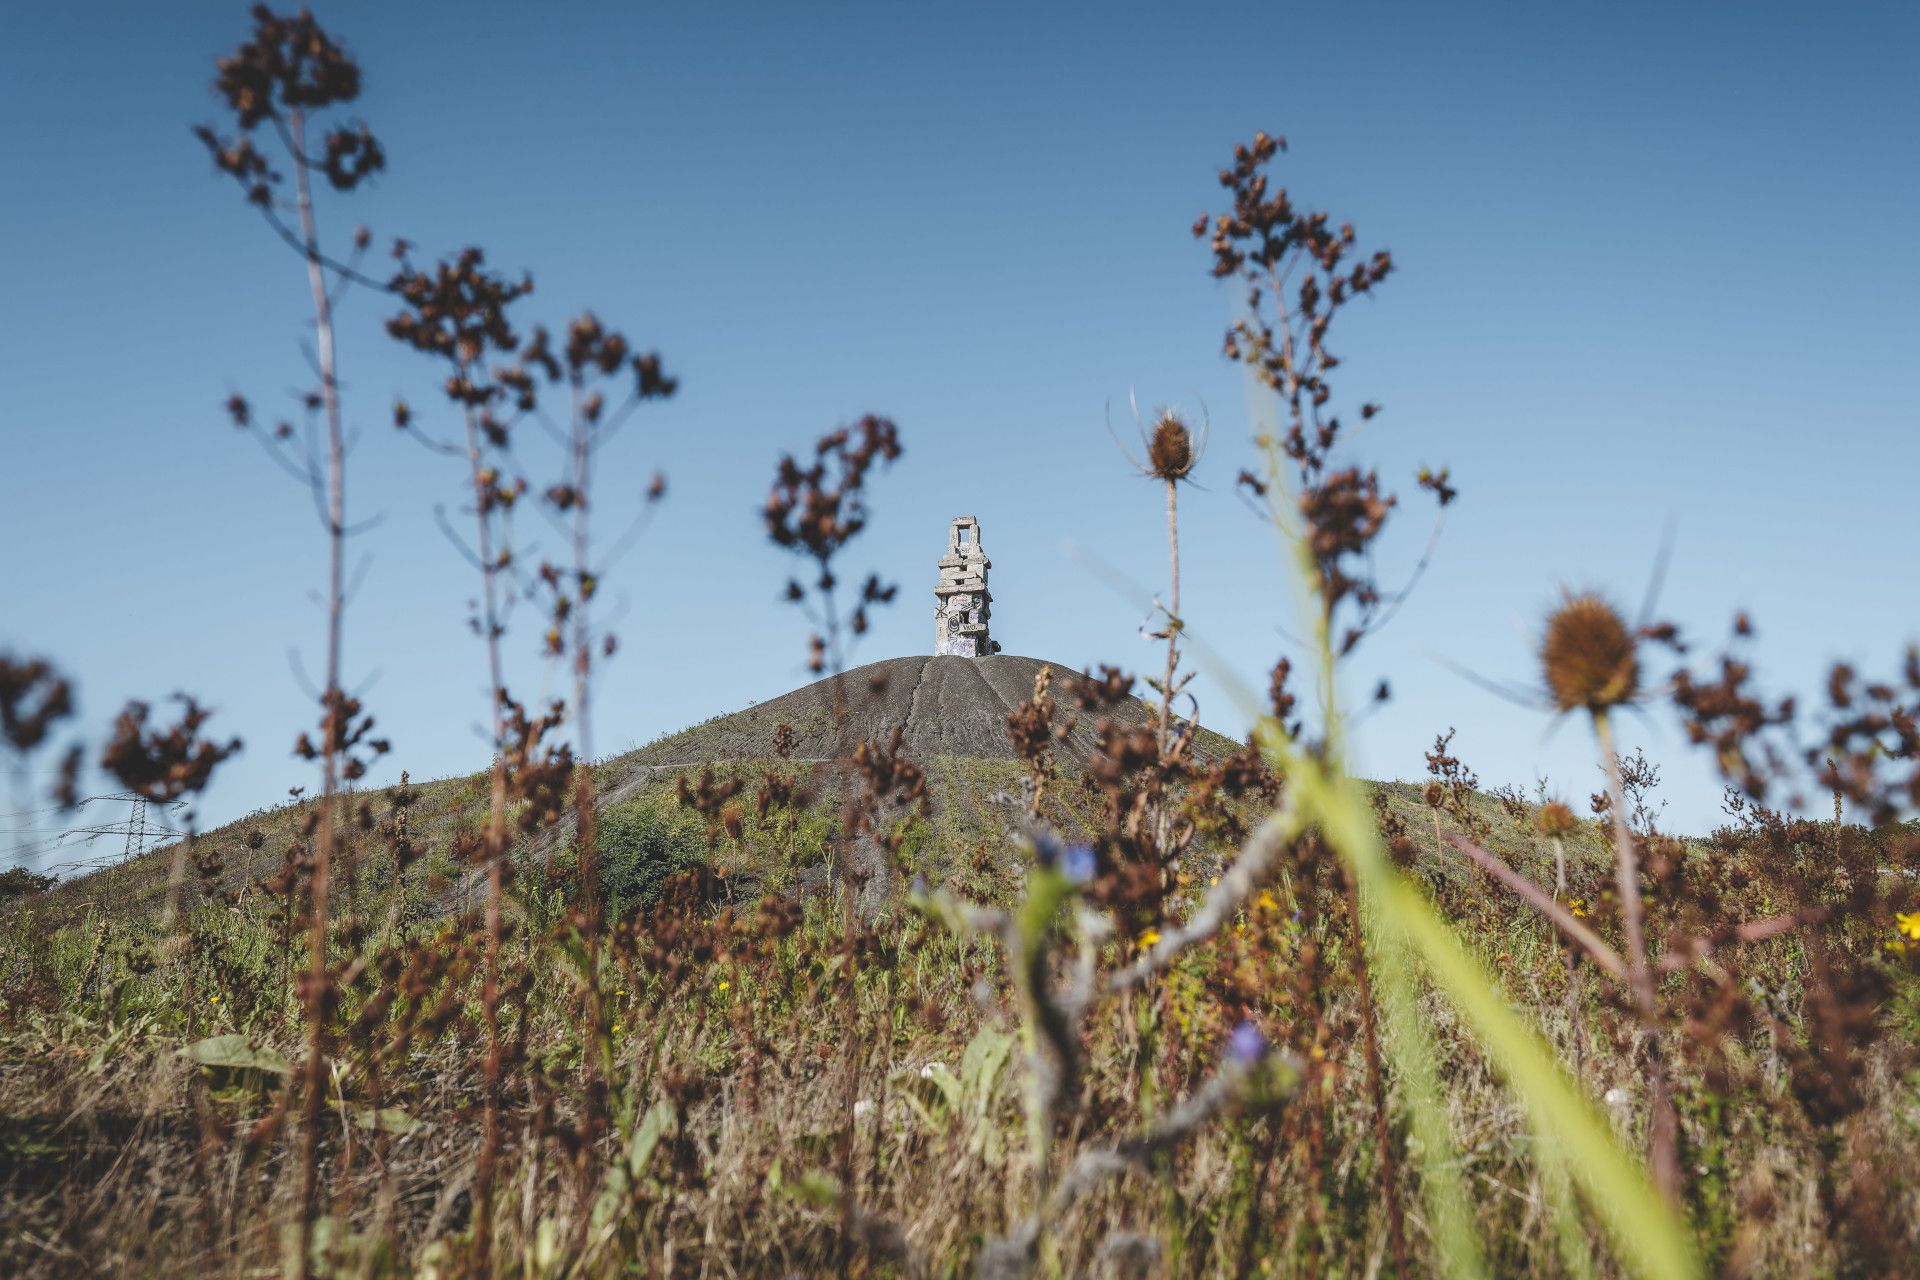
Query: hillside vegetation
138	1072
942	966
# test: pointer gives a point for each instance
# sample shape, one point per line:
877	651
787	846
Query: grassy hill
145	1059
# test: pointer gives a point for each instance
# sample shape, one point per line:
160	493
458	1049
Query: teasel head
1172	447
1554	820
1590	656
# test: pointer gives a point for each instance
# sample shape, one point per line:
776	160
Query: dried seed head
1589	656
1554	820
1170	451
1432	795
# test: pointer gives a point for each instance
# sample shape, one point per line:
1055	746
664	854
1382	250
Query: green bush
644	843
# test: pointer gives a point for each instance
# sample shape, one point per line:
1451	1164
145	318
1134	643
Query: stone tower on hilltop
963	602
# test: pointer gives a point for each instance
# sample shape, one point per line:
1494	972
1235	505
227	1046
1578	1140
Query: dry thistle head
1590	656
1170	452
1554	820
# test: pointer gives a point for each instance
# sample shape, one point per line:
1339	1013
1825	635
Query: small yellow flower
213	999
1150	937
1266	901
724	984
1908	922
1578	906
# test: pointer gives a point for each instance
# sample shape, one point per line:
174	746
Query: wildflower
724	984
1908	923
1246	1045
1589	656
1267	902
1150	937
931	1069
213	999
1577	905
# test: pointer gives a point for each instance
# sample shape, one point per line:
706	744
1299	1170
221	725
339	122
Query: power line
140	832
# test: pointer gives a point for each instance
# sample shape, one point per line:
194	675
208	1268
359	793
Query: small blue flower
1047	848
1246	1045
919	887
1079	863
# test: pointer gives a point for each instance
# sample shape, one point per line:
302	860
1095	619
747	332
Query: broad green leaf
640	1150
236	1051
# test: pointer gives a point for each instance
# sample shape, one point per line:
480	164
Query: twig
1596	948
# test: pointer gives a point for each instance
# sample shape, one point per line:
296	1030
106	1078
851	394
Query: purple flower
1078	863
1246	1045
919	887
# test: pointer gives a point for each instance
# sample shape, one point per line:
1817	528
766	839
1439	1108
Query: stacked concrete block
963	603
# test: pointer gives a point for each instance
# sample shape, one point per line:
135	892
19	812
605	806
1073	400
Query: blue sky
1657	267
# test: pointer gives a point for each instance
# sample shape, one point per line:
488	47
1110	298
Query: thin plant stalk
1662	1127
1574	1016
596	1063
1173	618
318	975
494	850
849	957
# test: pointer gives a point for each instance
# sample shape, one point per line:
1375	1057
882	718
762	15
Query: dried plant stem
1574	1018
850	924
594	1071
1173	617
495	849
1662	1132
1592	943
318	977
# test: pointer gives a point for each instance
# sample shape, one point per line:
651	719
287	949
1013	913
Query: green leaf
384	1119
236	1052
640	1150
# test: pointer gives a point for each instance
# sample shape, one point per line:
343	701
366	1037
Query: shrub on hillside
644	843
